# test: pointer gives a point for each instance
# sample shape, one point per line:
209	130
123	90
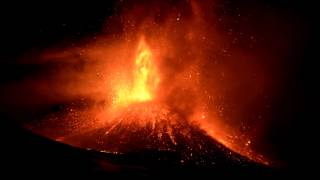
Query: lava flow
155	85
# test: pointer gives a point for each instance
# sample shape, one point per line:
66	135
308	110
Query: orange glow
145	79
168	66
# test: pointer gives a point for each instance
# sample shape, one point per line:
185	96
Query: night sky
29	27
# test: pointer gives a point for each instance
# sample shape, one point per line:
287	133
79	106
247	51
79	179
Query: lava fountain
145	79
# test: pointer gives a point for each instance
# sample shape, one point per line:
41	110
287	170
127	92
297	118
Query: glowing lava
145	79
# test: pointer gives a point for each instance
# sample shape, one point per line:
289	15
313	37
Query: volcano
148	132
141	115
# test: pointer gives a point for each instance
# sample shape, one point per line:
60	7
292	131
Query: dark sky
25	26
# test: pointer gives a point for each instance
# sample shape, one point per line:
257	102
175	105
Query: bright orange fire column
145	79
